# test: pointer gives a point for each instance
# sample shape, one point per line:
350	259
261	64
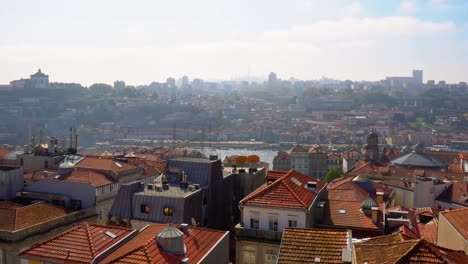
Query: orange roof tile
288	191
397	248
428	231
303	245
14	217
104	165
459	220
80	244
273	175
456	192
143	248
4	152
96	179
348	214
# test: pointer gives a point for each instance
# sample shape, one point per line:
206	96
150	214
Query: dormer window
168	211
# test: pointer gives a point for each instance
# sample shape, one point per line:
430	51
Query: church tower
372	147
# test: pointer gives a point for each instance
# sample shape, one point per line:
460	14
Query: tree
332	174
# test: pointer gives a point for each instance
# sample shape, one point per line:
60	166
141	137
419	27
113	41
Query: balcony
258	234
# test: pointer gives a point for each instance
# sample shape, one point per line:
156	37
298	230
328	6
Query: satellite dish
241	160
194	222
253	159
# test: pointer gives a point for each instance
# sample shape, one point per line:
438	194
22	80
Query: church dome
367	204
171	240
106	155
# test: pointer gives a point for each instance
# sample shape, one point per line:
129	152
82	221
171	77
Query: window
46	164
271	256
168	211
144	208
21	162
254	223
292	222
248	257
273	223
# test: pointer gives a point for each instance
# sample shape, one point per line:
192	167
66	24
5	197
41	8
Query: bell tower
372	147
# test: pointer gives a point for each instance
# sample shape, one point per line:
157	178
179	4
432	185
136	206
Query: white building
286	202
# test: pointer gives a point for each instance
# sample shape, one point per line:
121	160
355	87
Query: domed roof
368	203
106	155
360	178
171	240
372	134
67	165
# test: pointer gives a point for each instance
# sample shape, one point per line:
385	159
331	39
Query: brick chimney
380	196
375	214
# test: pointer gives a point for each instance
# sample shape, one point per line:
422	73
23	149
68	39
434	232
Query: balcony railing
257	233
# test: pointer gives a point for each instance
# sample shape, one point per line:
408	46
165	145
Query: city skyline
90	42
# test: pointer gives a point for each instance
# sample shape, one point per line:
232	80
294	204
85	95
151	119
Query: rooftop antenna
174	135
71	138
40	136
203	136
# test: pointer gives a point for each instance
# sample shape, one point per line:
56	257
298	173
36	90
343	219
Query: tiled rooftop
289	191
15	217
398	248
88	176
459	220
104	164
80	244
273	175
303	245
143	248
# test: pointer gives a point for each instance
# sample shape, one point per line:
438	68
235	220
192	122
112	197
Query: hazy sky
144	41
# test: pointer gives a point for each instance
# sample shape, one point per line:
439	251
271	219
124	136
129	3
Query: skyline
90	42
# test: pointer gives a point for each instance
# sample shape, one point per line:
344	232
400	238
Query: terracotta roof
428	231
298	148
39	175
399	249
104	165
96	179
456	192
348	214
83	243
288	191
303	245
143	248
282	155
459	220
14	217
4	152
273	175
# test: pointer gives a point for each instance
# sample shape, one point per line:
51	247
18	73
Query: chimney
312	185
184	227
380	196
346	253
185	261
71	138
375	215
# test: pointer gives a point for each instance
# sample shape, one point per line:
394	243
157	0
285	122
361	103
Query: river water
265	155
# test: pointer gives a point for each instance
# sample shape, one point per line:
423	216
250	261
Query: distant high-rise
184	81
418	76
272	77
171	82
119	85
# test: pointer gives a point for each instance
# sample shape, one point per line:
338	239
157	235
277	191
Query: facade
11	181
39	80
452	230
286	202
312	162
282	161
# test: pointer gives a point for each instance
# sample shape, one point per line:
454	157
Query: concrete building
39	80
452	231
288	201
119	85
11	182
415	80
282	161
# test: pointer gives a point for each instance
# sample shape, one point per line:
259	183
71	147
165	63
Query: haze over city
101	41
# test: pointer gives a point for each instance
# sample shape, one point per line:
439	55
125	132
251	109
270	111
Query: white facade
266	215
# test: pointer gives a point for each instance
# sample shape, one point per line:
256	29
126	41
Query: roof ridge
410	250
269	186
148	257
294	194
90	240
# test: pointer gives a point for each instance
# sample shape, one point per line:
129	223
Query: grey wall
11	181
75	190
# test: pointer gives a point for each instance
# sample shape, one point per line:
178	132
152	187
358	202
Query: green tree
332	174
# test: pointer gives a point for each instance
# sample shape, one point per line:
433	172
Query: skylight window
112	235
342	211
118	164
296	181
